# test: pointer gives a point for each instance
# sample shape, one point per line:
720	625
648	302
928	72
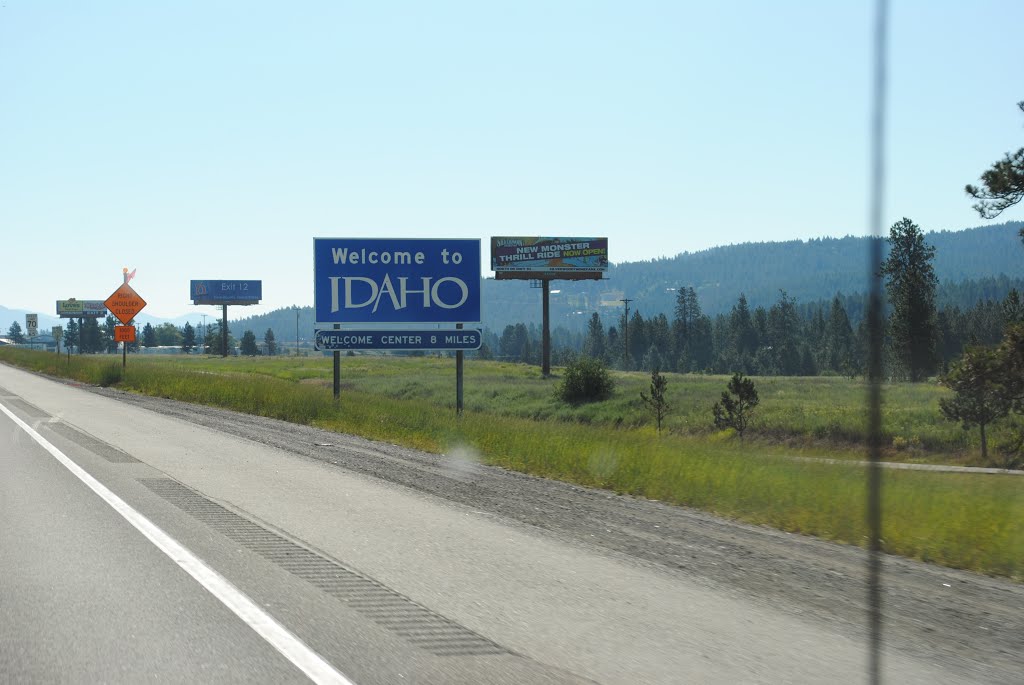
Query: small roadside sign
125	303
124	334
57	332
398	340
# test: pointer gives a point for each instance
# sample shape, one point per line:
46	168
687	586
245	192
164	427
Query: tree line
93	337
785	339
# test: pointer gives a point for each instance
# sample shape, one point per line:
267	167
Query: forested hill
969	264
807	270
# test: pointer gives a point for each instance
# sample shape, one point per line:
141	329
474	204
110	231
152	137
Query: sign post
32	328
382	282
337	369
459	358
124	303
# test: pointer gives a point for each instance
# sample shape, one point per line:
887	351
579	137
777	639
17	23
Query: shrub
110	374
656	401
735	412
586	380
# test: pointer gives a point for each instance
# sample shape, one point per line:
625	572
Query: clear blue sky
216	139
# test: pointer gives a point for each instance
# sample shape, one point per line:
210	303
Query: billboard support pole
337	369
224	331
80	320
546	334
459	357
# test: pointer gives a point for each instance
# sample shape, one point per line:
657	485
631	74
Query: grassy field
824	412
512	420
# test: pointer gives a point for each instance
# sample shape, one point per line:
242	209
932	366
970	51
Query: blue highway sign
226	292
388	281
399	340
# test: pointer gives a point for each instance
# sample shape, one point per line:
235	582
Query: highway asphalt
384	565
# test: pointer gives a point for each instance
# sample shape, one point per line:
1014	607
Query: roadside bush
736	405
110	374
656	401
1009	447
586	380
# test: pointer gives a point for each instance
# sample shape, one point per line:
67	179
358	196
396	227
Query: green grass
823	412
512	420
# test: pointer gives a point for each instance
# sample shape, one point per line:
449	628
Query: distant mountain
193	318
9	316
972	264
286	323
807	270
48	321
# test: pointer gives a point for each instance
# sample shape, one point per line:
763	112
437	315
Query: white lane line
279	637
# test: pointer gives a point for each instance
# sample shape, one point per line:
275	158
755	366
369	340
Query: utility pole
296	331
625	334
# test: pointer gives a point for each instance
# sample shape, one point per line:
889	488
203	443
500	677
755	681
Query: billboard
385	281
549	255
226	292
81	309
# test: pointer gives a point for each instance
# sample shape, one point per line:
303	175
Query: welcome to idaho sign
387	281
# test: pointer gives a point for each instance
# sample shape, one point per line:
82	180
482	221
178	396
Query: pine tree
1003	185
911	286
734	412
613	344
981	396
107	341
595	345
15	334
71	335
1013	308
783	329
248	344
148	336
656	401
742	333
92	341
659	341
188	338
838	339
639	338
691	333
271	343
506	345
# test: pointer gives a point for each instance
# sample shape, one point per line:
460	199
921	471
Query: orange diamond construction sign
125	303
